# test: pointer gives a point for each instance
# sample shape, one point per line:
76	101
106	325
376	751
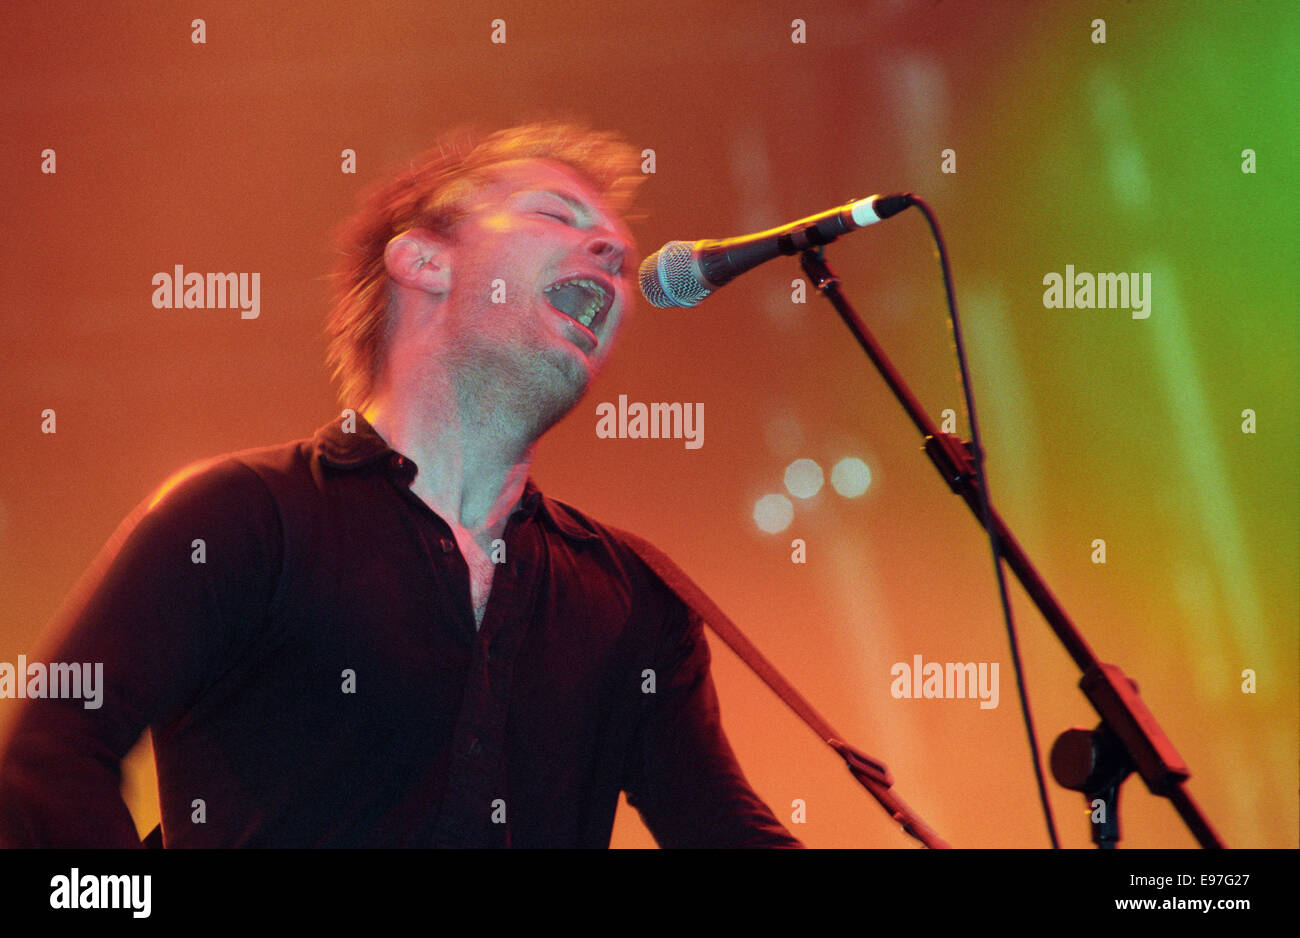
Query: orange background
1111	157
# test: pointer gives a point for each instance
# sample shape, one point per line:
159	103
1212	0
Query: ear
418	259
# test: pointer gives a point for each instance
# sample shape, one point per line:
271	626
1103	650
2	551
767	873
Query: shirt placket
471	815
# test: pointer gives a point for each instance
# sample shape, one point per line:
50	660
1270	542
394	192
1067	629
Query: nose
609	251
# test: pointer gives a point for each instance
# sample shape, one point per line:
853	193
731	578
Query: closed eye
557	216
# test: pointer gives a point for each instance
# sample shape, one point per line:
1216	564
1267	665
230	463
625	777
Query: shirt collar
349	443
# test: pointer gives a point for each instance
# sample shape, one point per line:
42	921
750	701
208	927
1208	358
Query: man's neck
472	453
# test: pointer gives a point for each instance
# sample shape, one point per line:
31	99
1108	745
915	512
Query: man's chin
540	385
554	392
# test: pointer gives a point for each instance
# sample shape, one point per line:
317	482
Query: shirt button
447	545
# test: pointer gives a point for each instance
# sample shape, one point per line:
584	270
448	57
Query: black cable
986	512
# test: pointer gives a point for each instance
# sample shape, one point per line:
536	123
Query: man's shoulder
578	525
639	558
237	474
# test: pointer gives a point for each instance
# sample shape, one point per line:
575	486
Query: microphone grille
670	277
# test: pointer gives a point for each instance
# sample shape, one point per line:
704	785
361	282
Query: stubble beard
520	392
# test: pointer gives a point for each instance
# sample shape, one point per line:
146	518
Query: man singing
385	635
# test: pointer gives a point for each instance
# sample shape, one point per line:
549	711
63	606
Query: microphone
682	274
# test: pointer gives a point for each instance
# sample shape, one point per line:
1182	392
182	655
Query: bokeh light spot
804	478
773	513
851	477
784	433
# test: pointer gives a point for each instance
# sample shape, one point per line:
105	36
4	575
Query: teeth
596	300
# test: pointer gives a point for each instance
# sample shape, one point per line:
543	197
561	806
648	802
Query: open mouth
584	299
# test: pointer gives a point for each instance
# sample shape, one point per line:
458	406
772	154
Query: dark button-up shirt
295	627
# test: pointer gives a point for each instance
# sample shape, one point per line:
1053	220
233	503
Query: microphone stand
1129	737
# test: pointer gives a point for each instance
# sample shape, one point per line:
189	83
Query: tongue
568	299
